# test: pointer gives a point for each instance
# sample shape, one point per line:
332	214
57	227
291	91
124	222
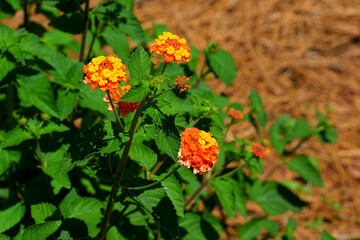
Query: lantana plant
135	146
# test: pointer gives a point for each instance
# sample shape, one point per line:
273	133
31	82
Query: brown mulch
300	56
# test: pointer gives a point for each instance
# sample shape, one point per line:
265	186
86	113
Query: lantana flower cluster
107	73
235	113
198	150
172	48
182	83
259	150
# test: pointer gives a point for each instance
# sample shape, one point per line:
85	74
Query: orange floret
172	48
198	150
182	83
235	113
259	150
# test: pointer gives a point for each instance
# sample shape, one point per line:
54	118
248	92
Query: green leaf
143	155
276	131
303	166
158	29
194	59
168	142
15	137
139	65
4	237
290	228
37	90
219	120
222	64
132	26
135	94
224	191
301	129
65	102
118	41
165	107
92	99
174	192
252	229
274	198
41	231
53	127
256	104
113	234
41	211
11	216
197	228
331	135
7	157
6	66
53	162
326	236
240	199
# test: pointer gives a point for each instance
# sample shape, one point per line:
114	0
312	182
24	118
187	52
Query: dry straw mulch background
300	56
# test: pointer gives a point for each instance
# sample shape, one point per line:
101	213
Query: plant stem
276	167
116	115
119	173
139	124
232	172
194	122
167	90
157	166
292	151
110	168
46	176
91	44
10	105
26	15
154	183
163	70
84	31
119	216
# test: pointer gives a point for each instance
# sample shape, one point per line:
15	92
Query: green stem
139	124
232	172
292	151
84	31
157	166
276	167
114	110
167	90
119	173
194	122
154	183
163	70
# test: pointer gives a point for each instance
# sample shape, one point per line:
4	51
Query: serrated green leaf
143	155
240	199
168	142
301	129
7	157
197	228
174	192
118	41
139	65
326	236
148	199
65	102
37	90
53	127
165	107
64	235
4	237
274	198
223	65
41	231
92	99
41	211
6	66
67	201
302	165
224	191
251	229
15	137
132	26
113	234
11	216
219	120
53	162
180	121
135	94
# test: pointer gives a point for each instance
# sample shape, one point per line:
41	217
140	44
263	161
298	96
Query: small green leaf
41	231
132	26
251	229
11	216
15	137
301	129
135	94
256	104
303	166
118	41
331	136
41	211
326	236
6	66
223	65
139	65
65	102
224	191
290	228
53	127
276	133
7	157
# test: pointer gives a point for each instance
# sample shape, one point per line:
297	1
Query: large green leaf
16	136
65	102
168	142
252	229
118	41
196	228
7	157
143	155
132	26
41	211
37	90
92	99
223	65
11	216
136	93
224	191
302	165
139	65
274	198
41	231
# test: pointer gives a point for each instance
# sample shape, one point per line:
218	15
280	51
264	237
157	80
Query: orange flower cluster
172	48
259	150
198	150
182	83
235	113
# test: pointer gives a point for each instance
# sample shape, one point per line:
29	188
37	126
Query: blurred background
300	56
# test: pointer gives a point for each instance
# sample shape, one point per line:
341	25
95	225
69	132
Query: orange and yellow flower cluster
198	150
235	113
182	83
172	48
259	150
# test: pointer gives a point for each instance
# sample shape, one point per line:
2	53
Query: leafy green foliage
7	158
11	216
118	41
304	167
40	212
257	109
252	229
139	65
41	231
